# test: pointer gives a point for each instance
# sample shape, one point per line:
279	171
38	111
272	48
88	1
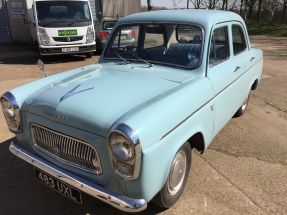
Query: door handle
252	58
237	68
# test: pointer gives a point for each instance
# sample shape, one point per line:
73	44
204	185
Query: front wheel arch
254	85
176	179
197	141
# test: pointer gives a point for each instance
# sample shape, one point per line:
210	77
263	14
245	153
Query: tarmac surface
244	170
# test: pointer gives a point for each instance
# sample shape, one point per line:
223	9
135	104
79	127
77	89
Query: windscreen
63	13
173	44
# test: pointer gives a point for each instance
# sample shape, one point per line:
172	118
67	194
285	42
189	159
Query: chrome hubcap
177	173
244	104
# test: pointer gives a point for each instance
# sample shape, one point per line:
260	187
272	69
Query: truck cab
61	27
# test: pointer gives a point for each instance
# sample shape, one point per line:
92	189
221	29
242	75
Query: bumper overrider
114	199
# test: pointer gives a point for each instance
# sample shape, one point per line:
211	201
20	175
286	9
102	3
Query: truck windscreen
63	13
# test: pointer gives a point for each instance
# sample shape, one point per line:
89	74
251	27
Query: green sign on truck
67	32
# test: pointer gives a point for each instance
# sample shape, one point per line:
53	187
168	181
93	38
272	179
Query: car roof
203	17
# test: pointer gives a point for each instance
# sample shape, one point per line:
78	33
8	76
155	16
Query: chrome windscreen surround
135	162
17	119
66	149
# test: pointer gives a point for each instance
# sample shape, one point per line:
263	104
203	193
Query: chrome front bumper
114	199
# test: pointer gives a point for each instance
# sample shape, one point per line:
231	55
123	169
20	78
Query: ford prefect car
122	130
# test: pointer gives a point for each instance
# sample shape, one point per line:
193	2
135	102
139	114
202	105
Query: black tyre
89	54
45	58
176	179
243	108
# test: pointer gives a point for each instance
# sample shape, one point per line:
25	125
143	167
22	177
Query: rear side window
238	39
219	48
189	34
108	25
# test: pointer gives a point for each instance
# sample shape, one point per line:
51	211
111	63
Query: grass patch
268	30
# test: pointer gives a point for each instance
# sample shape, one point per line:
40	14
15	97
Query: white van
61	27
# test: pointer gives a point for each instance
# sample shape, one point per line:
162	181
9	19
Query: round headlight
5	103
8	108
121	147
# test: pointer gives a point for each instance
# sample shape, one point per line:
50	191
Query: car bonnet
93	98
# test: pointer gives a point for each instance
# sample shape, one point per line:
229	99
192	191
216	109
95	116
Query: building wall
4	27
20	32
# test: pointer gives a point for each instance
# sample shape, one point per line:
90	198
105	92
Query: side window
154	36
238	39
87	11
189	34
219	48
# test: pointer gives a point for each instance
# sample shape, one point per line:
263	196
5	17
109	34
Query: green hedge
268	30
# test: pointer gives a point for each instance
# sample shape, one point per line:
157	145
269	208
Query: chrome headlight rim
16	118
135	162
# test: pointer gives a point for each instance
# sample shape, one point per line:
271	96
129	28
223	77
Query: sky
166	3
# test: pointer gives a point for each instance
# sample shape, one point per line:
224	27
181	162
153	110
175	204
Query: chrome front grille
66	149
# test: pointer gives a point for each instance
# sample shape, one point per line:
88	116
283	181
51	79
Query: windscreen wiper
127	62
150	64
75	22
49	23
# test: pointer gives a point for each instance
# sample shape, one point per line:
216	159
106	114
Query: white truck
61	26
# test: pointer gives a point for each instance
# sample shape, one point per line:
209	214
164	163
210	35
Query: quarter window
219	48
238	39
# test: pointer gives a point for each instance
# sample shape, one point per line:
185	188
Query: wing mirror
41	66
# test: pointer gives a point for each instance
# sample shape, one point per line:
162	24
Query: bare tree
258	11
284	7
250	5
197	3
241	5
271	5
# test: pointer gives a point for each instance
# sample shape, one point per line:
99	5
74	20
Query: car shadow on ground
22	193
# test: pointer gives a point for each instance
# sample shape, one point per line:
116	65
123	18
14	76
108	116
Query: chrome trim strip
207	102
114	199
135	162
130	133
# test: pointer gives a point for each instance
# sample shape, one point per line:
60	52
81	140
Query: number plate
59	186
122	36
72	49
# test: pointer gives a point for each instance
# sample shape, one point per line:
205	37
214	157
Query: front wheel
176	179
89	54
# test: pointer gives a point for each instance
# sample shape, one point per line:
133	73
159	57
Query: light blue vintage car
122	130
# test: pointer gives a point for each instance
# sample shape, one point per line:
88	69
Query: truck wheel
243	107
176	179
89	54
45	58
